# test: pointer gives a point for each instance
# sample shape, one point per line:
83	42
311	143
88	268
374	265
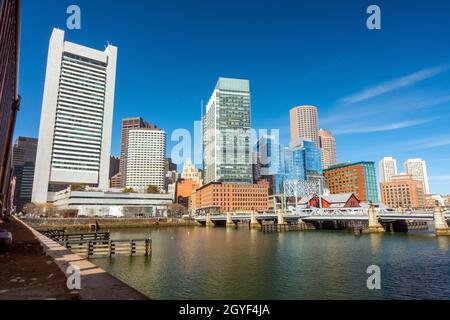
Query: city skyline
359	89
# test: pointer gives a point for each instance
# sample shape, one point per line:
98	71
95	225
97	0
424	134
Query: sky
382	92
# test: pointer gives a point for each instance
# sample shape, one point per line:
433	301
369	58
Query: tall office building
304	125
146	157
417	168
127	125
9	96
226	133
76	118
328	146
24	159
357	178
388	169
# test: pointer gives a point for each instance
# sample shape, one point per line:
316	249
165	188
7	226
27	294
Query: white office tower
417	168
146	159
304	125
388	169
76	118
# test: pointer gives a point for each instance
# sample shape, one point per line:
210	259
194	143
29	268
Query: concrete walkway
96	283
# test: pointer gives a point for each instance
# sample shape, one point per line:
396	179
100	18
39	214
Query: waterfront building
328	147
304	125
24	159
357	178
146	156
190	172
226	133
113	202
432	199
329	201
114	166
269	152
185	188
116	181
403	191
220	197
76	117
127	125
388	169
9	95
417	168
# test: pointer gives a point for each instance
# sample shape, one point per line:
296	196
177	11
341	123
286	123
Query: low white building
112	203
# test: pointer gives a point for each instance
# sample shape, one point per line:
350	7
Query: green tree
152	189
128	190
77	187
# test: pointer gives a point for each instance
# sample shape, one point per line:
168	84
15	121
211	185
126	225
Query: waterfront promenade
35	270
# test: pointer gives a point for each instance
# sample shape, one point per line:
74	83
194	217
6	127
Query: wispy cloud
427	143
440	178
380	128
393	85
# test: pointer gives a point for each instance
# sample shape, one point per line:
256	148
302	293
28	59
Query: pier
99	244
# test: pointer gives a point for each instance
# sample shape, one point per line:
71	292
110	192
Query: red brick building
221	197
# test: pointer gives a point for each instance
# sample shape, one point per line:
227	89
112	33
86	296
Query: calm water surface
220	263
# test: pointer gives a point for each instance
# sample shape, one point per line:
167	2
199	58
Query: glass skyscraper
226	133
281	163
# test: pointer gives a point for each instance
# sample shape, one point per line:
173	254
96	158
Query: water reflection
228	263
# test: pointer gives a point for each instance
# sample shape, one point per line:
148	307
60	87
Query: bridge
374	217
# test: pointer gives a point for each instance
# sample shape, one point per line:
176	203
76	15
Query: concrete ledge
96	283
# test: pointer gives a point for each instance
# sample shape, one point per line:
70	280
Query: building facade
76	118
226	133
388	169
112	203
114	166
190	172
9	95
146	157
328	147
417	168
304	125
185	188
403	191
127	125
357	178
219	197
24	160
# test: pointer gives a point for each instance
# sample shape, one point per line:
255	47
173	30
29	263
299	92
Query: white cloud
380	128
440	178
394	85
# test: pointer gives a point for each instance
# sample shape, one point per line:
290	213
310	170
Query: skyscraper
417	168
127	125
388	169
304	125
9	96
226	133
76	117
328	146
24	159
146	157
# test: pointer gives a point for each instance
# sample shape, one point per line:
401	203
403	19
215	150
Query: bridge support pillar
281	220
440	223
301	225
209	222
230	223
374	225
254	222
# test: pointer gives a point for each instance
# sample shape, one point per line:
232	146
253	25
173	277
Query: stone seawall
105	223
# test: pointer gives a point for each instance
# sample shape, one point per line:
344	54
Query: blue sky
382	92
